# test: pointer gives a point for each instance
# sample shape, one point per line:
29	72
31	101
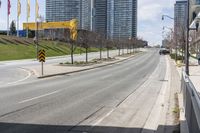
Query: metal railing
191	104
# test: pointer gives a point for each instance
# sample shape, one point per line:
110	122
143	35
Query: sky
150	24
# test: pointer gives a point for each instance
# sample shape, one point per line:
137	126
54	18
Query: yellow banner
37	9
18	8
28	9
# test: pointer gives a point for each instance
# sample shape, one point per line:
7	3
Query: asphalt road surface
112	99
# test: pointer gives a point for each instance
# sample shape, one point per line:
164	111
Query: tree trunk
122	49
107	52
101	47
72	53
86	53
119	51
100	53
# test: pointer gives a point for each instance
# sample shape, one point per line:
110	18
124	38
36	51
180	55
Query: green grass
12	50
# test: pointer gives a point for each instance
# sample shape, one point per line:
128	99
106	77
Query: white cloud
149	18
149	12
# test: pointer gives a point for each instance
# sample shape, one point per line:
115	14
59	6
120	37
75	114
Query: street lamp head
162	17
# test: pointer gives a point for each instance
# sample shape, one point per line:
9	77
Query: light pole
163	17
187	56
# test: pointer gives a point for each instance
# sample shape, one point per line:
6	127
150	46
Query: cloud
149	12
149	18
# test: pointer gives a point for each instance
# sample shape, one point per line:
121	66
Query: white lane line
29	75
106	76
100	120
41	96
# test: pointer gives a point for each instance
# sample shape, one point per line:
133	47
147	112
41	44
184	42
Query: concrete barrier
191	101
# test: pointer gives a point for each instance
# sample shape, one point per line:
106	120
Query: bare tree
84	42
181	39
109	45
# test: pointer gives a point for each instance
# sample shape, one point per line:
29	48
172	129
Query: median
56	69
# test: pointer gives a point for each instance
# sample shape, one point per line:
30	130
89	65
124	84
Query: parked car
164	52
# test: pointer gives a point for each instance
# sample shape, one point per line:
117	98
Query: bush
179	57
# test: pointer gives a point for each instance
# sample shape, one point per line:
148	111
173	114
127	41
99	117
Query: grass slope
13	48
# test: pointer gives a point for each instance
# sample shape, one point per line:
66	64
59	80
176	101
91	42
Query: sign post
41	57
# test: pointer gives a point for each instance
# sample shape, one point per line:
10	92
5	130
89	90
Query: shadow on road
34	128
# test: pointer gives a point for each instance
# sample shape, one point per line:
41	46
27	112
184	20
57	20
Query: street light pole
175	35
187	41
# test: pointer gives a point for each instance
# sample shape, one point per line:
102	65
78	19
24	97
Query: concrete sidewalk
57	69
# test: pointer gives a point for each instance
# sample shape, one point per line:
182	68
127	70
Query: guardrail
191	104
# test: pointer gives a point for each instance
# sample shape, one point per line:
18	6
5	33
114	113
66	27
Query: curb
183	122
86	69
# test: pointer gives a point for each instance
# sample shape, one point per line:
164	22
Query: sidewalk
193	61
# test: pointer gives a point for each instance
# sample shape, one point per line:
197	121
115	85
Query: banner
9	6
37	9
18	8
28	8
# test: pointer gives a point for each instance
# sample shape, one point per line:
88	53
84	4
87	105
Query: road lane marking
106	76
41	96
29	75
100	120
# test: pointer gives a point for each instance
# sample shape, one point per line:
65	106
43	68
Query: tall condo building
180	17
121	19
65	10
100	17
113	19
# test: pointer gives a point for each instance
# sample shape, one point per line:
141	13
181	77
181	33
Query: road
113	99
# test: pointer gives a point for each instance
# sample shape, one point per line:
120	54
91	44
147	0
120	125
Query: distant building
65	10
100	17
121	19
113	19
180	17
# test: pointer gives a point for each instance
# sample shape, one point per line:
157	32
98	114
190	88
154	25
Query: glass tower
121	19
100	17
180	17
65	10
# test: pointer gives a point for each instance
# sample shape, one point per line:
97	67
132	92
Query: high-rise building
100	17
121	19
180	17
65	10
85	14
110	18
